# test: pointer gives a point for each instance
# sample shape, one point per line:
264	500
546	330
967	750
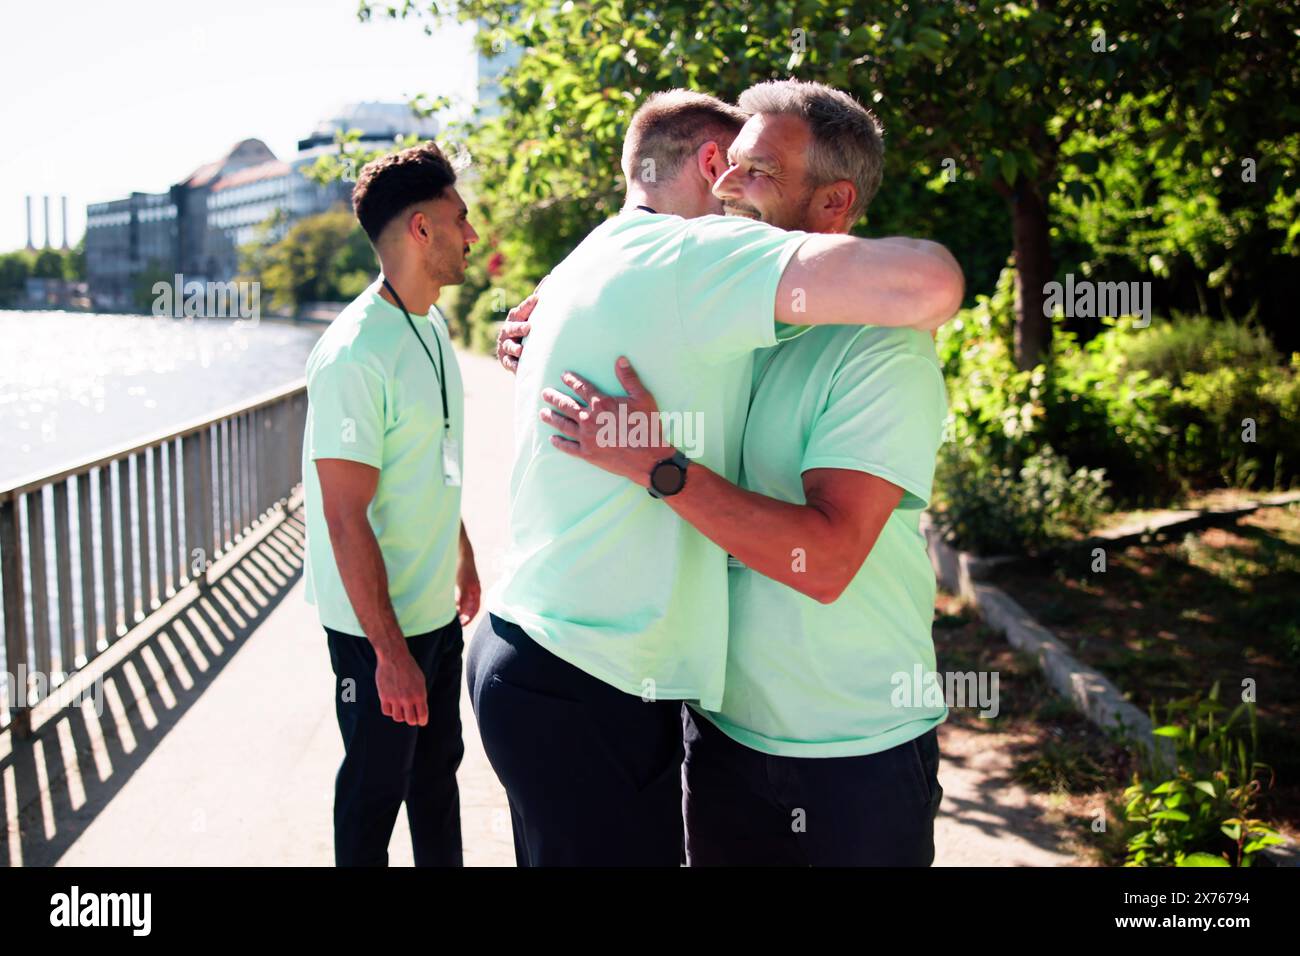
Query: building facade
124	239
246	196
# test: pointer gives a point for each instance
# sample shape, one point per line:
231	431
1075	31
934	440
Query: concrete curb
1168	522
1091	692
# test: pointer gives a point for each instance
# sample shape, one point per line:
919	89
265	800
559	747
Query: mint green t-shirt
597	571
373	397
806	679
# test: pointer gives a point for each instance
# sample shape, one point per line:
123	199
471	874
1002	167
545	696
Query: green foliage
1177	397
1237	425
1195	344
1207	214
1000	485
997	509
48	264
1197	812
143	282
14	270
323	258
18	266
1133	135
1157	411
1107	415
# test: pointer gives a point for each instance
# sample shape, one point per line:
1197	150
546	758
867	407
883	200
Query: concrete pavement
230	756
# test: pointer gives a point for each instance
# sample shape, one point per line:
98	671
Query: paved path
241	770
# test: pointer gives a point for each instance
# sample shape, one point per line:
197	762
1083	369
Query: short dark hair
391	184
670	126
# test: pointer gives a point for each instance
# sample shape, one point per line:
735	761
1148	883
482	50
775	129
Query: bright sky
98	99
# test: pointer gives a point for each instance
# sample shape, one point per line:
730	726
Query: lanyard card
450	460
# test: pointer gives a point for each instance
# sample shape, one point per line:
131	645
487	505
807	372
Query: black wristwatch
668	477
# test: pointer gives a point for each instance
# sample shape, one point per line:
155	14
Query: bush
1237	425
1187	403
1189	344
993	509
1198	812
1001	487
321	258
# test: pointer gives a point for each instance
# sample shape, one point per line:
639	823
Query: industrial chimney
65	222
47	221
30	244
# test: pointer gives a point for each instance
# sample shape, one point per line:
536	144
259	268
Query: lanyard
439	367
648	209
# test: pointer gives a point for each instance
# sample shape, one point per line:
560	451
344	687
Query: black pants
746	808
593	774
386	763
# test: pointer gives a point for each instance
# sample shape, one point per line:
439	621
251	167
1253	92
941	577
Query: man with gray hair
812	757
613	610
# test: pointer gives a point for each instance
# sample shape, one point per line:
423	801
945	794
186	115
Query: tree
15	267
997	88
1211	223
1003	87
322	258
48	264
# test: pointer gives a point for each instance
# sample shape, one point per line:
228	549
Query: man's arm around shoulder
847	280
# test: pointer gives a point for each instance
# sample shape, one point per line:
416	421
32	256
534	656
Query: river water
73	385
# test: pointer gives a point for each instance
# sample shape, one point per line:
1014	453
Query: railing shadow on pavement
55	782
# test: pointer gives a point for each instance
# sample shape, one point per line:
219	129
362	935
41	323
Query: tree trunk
1033	255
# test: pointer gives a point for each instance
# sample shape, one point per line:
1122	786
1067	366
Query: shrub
1198	812
1103	415
993	509
1189	344
1184	404
1237	425
1000	485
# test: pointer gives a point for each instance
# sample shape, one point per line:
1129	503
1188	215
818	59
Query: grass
1168	619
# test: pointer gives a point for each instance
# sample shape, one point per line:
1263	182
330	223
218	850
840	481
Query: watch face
668	478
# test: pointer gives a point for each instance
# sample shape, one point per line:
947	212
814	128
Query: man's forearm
786	542
365	579
843	280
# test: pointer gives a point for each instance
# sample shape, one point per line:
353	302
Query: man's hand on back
585	429
513	331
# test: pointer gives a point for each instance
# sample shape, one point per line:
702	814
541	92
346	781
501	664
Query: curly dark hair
391	184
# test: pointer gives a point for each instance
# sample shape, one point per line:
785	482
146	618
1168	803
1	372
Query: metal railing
88	552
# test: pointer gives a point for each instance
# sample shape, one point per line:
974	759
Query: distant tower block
30	244
65	222
47	221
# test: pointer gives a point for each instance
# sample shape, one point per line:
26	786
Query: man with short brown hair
668	129
612	611
812	756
